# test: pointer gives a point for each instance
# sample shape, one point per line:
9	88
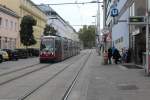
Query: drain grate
127	87
132	67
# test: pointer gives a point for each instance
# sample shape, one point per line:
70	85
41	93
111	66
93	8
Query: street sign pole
147	67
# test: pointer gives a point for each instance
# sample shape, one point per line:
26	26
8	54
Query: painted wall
9	31
120	31
25	7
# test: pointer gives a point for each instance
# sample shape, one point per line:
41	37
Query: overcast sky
74	14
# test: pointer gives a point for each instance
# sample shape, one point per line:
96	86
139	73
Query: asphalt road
95	81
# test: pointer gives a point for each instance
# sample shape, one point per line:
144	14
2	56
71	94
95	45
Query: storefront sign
137	20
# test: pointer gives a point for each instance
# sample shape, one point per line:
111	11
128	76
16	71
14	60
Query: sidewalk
115	82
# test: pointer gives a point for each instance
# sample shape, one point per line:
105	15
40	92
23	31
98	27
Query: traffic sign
114	12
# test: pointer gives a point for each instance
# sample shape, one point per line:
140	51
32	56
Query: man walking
109	55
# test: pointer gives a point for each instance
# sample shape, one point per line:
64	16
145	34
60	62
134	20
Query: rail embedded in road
67	93
48	80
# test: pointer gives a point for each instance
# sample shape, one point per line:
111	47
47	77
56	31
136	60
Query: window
11	24
0	43
5	39
15	26
132	10
6	23
0	22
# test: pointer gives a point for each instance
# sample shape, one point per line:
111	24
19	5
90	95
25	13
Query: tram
56	48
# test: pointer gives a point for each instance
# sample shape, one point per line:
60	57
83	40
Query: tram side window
58	46
65	46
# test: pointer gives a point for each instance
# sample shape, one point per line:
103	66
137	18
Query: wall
9	33
26	7
120	32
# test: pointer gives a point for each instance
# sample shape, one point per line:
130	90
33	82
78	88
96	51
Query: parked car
4	54
13	55
36	52
1	58
22	53
33	52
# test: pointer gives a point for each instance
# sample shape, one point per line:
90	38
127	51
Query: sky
76	15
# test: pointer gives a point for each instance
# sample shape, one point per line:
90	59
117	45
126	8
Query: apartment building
27	7
9	28
63	28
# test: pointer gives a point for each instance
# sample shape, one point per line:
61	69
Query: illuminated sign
137	20
114	12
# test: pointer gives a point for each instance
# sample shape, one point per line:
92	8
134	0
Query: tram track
46	81
68	91
19	69
5	78
13	75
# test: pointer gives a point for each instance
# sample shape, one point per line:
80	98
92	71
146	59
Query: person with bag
116	56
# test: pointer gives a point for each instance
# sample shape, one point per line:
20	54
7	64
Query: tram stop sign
114	12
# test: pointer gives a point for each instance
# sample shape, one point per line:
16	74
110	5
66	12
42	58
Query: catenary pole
147	40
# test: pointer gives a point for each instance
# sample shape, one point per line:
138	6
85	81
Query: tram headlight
52	53
44	53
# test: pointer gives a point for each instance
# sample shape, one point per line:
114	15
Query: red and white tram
56	48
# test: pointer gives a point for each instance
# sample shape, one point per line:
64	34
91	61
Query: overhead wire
79	14
75	3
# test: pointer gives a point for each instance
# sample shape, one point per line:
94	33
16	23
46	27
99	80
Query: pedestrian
109	55
129	55
124	55
116	56
105	57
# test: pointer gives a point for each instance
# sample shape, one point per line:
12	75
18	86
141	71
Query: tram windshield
47	44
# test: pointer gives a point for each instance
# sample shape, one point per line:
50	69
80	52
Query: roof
47	8
8	11
35	5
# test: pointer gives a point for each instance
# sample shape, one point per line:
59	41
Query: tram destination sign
137	20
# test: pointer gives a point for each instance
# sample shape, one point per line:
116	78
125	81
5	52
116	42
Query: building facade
9	28
124	34
63	28
118	26
27	7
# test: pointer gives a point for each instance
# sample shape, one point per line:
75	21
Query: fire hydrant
105	57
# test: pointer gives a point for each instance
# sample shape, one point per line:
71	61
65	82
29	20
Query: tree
49	30
87	36
26	31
